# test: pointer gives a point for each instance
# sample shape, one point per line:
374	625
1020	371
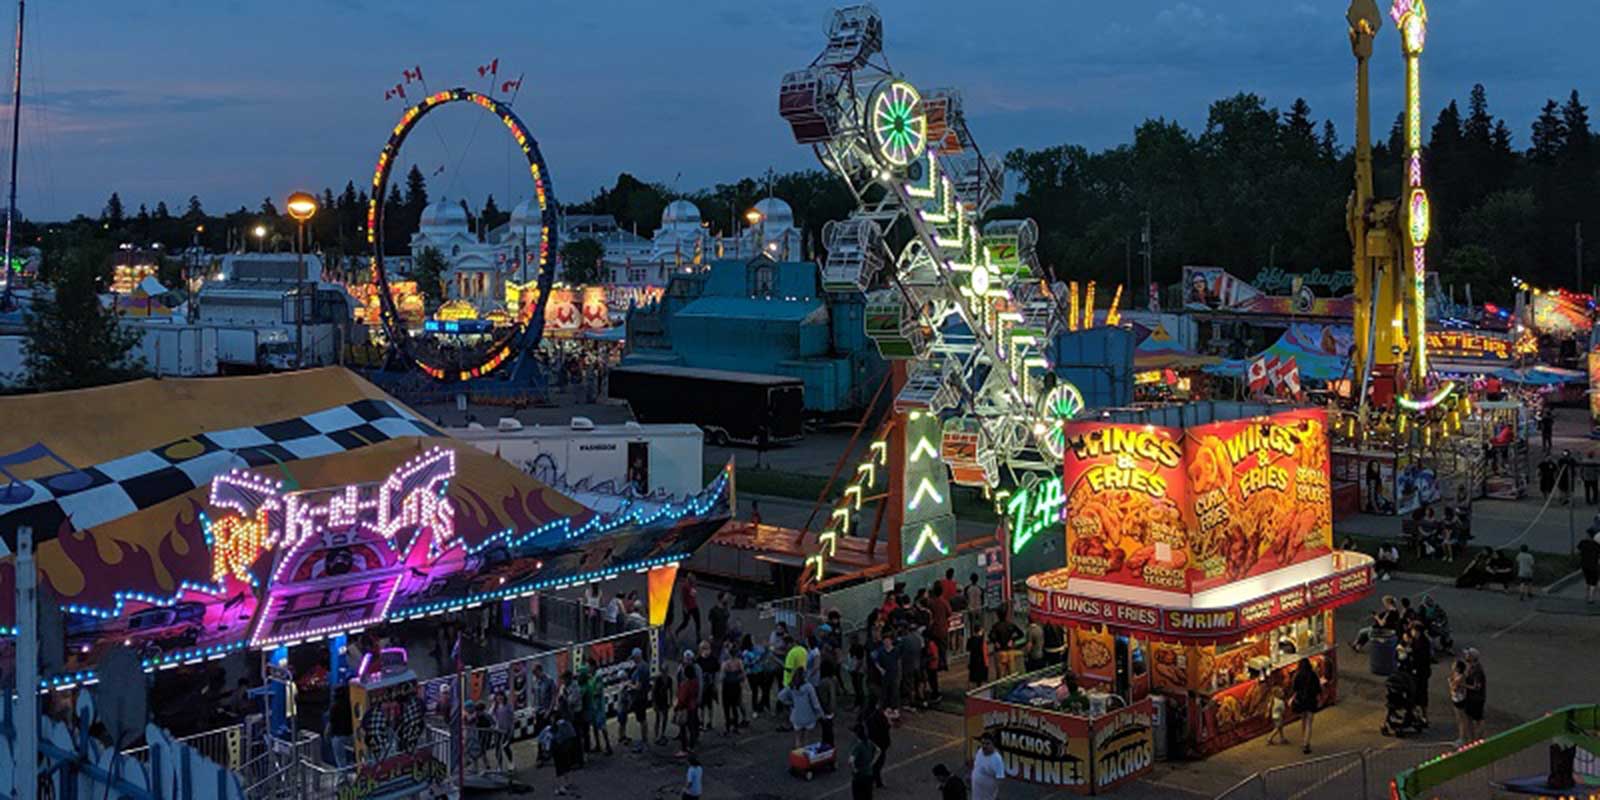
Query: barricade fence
1351	775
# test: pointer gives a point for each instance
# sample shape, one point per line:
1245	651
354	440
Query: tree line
1260	187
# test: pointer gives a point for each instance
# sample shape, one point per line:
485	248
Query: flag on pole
413	74
1272	371
1258	375
398	91
1289	377
508	87
491	68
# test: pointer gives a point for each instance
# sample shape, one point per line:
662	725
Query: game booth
1200	572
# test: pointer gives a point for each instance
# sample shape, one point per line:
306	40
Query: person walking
988	770
1547	475
1567	474
1589	563
1307	694
690	597
950	787
500	715
688	706
1590	472
974	601
878	730
1477	686
661	700
1374	487
862	757
1420	646
692	777
1524	573
1547	429
805	708
567	748
636	698
718	617
595	705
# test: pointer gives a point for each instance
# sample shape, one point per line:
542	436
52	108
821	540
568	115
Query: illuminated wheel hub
1061	404
899	128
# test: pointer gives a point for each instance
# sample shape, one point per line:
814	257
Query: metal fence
223	746
1352	775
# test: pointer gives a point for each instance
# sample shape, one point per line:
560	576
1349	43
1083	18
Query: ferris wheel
526	328
965	304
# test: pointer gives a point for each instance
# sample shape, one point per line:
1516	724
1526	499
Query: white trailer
176	349
653	459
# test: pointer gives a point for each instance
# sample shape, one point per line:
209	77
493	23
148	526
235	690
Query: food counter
1087	742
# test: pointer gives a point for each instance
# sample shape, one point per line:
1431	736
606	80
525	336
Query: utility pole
16	130
1144	250
1127	267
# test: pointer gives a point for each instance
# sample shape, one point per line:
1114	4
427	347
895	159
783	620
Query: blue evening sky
235	101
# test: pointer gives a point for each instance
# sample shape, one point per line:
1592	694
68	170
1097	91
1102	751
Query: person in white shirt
592	600
612	613
988	769
1524	573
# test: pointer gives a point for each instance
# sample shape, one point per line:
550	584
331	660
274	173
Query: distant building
763	316
481	262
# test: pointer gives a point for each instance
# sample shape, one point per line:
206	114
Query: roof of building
444	214
751	308
708	374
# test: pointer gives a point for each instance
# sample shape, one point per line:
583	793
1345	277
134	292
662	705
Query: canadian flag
508	87
491	68
1271	365
414	74
1287	377
1258	375
398	91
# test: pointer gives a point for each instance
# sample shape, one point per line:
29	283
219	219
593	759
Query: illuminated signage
1469	344
1034	509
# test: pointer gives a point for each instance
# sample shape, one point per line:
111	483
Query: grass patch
1547	567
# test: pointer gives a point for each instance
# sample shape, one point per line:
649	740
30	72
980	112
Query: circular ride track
451	363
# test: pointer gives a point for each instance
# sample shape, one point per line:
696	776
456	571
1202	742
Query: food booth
1200	570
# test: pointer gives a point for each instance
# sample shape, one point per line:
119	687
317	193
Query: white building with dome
479	265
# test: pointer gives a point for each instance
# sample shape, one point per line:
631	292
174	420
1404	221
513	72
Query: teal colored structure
763	316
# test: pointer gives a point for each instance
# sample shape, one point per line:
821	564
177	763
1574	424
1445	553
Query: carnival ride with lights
961	308
236	514
1573	758
1391	386
522	335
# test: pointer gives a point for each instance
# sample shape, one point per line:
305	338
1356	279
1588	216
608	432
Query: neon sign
1034	509
412	498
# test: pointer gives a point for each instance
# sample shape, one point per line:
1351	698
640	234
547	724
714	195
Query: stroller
1399	709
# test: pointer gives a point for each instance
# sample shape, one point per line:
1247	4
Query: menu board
1125	491
1185	511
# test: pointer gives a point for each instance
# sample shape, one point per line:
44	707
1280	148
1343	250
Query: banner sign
1183	511
1049	601
1076	753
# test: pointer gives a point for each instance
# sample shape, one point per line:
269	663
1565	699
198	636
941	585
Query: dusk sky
235	101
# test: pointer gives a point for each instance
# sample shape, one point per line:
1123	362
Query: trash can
1380	652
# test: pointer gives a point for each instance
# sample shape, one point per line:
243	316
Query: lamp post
301	207
755	218
194	267
260	232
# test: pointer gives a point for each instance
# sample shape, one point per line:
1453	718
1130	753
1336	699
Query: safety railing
1350	775
224	746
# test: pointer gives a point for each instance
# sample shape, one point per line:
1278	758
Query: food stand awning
1224	614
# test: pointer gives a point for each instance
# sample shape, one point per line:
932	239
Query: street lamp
260	232
755	218
301	207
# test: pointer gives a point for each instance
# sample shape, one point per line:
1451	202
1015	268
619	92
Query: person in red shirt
691	606
949	585
939	620
688	706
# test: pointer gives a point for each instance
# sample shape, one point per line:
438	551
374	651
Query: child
1524	573
691	778
1280	709
661	699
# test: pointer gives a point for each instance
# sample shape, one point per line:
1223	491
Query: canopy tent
1160	351
1321	351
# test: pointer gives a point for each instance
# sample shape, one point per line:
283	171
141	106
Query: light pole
260	232
194	267
301	207
755	218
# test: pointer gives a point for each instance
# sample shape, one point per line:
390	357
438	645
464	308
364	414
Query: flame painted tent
194	517
1321	351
